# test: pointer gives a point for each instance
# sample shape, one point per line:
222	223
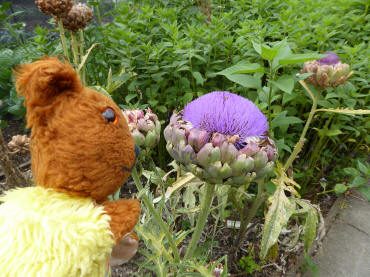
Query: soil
277	264
16	127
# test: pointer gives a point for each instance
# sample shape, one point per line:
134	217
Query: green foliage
358	178
247	264
309	265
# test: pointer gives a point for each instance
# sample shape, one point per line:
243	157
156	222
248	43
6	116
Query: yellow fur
44	233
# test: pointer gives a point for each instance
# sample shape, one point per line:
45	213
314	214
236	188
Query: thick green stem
157	217
313	159
98	13
63	39
301	141
270	93
82	42
247	216
75	50
202	219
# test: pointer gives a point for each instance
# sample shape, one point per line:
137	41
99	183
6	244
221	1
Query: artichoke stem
247	216
82	42
158	218
202	219
63	39
301	141
75	49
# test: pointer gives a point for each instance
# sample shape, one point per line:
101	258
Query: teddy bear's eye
110	115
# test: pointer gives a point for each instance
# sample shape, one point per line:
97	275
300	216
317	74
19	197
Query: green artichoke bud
327	72
219	157
145	127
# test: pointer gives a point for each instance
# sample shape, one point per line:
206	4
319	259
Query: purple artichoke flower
330	59
221	138
327	72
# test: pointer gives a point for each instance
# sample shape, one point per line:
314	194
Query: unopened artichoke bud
145	127
19	144
77	18
221	138
54	7
327	72
138	137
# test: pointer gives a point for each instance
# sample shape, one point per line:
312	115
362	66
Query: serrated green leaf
309	228
358	181
303	76
340	188
245	68
162	109
363	168
129	97
84	58
268	53
300	58
101	90
245	80
365	191
277	217
257	47
285	83
330	133
189	202
350	171
284	52
283	122
179	184
198	78
242	67
187	97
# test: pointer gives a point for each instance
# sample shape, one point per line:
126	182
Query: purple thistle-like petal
228	114
330	59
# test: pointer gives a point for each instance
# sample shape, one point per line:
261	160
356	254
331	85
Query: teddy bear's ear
42	81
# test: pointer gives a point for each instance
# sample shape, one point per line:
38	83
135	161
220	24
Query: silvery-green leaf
309	228
277	217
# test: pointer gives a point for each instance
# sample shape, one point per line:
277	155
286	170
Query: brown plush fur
74	148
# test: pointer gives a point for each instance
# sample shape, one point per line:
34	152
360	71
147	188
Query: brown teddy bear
82	151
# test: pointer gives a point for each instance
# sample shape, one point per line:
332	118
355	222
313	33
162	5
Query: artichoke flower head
221	138
144	126
327	72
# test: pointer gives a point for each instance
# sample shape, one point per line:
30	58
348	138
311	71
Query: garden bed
285	259
163	55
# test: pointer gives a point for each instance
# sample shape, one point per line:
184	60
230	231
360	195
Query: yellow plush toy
81	152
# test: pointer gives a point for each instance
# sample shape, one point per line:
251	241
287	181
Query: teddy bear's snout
137	153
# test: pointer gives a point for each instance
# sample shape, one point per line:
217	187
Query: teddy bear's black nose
137	153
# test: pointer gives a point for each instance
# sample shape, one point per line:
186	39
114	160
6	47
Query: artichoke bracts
327	72
54	7
145	127
221	138
77	18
